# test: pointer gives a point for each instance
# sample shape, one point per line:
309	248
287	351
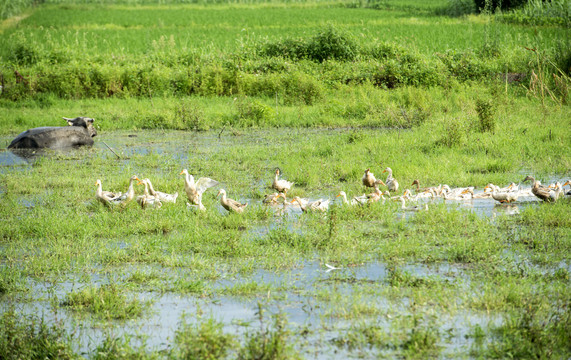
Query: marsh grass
106	302
29	337
270	341
204	340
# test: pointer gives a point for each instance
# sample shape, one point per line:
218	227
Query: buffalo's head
85	122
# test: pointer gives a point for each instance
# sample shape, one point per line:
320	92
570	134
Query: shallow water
302	305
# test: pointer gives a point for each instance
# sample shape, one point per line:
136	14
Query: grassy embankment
514	271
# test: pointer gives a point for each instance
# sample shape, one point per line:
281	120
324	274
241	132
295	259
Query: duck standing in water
194	190
392	183
542	192
230	204
104	196
317	205
162	196
281	185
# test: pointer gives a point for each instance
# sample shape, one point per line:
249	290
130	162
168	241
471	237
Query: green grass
407	88
107	302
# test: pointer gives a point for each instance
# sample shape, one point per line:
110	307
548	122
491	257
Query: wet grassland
449	281
408	88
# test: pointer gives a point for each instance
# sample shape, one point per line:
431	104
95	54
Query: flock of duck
194	190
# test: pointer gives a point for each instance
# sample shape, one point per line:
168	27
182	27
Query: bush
330	44
191	116
252	112
327	44
460	7
486	114
492	5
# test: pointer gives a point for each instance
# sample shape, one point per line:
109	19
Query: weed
29	337
270	342
118	348
191	116
486	114
532	333
107	302
204	340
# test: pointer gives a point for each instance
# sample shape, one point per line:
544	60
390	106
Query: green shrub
464	65
454	133
252	112
298	87
486	114
491	5
330	44
460	7
191	116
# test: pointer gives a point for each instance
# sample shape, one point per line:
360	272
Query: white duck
317	205
147	200
271	198
411	208
378	195
104	196
230	204
162	196
194	190
469	192
568	182
502	195
356	200
281	185
392	183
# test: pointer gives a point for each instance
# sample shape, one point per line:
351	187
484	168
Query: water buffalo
79	132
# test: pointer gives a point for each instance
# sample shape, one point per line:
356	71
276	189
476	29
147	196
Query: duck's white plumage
392	183
194	190
281	185
162	196
317	205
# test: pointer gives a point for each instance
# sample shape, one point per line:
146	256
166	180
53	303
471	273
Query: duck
281	185
378	195
120	198
542	192
392	183
162	196
411	208
483	195
147	200
356	200
271	198
194	190
129	195
428	191
230	204
568	182
105	196
317	205
503	195
369	179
